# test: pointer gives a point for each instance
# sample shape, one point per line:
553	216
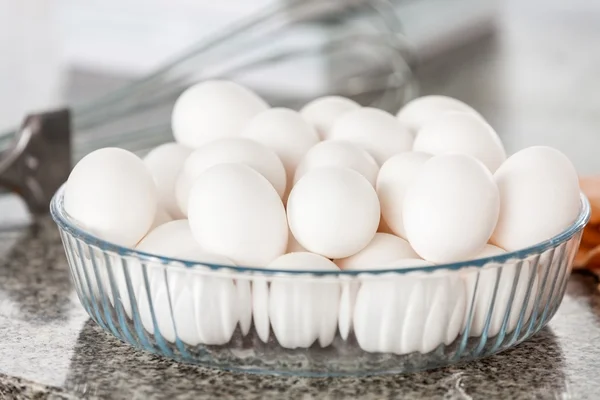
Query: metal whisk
360	48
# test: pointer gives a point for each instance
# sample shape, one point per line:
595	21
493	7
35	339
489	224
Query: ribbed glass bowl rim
65	223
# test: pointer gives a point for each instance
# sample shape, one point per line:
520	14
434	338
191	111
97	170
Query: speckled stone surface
49	346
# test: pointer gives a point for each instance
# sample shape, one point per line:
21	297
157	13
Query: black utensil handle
39	159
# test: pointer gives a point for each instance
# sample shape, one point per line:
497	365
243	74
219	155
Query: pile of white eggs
334	186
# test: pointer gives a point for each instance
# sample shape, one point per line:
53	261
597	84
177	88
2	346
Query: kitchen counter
50	346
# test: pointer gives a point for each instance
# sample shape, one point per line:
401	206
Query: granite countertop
50	346
535	82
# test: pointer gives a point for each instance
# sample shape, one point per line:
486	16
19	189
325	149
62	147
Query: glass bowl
318	323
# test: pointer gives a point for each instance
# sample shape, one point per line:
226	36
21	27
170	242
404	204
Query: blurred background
529	66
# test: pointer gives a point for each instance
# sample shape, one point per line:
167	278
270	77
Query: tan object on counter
590	185
588	255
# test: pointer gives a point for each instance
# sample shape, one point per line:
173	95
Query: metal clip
39	159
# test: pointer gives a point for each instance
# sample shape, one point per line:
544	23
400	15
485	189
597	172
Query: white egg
286	133
394	177
173	239
539	197
301	309
112	195
201	308
489	250
164	163
324	111
160	217
374	130
406	262
205	309
337	153
451	208
213	110
421	110
382	250
125	270
293	245
229	150
496	283
234	211
461	133
333	212
403	313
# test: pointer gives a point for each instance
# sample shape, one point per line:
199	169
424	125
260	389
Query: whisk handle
39	159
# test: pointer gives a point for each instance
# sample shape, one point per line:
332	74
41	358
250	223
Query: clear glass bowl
319	323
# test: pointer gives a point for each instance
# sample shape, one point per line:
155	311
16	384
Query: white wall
133	36
40	39
136	35
30	59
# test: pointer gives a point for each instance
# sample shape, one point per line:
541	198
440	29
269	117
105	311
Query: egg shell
497	280
286	133
322	113
213	110
111	194
539	197
234	211
201	307
461	133
229	150
403	313
451	208
337	153
416	113
167	240
383	249
301	309
394	177
160	217
293	245
376	131
173	239
164	163
333	212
